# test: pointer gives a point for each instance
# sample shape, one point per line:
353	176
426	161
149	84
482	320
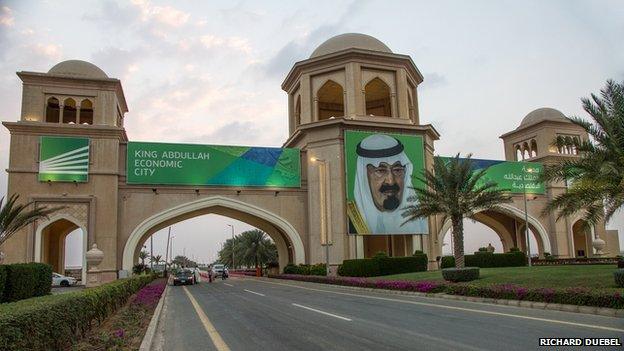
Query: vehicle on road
184	277
218	269
61	280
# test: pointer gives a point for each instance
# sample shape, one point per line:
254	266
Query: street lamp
231	226
325	240
526	214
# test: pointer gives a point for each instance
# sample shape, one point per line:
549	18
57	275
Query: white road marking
228	284
253	292
323	312
454	308
212	332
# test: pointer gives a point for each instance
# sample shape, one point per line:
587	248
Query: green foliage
596	177
620	263
619	277
26	280
139	268
250	249
464	274
418	252
54	322
14	216
381	254
489	260
454	191
3	275
306	269
383	265
514	249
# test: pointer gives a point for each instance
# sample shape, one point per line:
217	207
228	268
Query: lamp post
325	240
231	226
526	215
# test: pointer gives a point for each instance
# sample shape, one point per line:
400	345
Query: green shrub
364	267
465	274
621	263
418	252
3	274
514	249
619	277
318	269
54	322
306	269
488	260
26	280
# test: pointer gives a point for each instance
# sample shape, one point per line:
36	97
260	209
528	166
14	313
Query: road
251	314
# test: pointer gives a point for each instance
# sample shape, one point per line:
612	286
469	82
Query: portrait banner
218	165
381	170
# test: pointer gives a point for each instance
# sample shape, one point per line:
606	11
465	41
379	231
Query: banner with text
512	176
193	164
63	159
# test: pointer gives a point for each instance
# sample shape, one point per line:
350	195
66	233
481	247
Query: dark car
184	277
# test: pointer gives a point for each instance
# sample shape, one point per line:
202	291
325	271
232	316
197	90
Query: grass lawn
590	276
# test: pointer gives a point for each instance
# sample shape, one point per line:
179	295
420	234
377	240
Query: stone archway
289	244
506	209
47	224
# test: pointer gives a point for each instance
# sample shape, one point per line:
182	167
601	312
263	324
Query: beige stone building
350	82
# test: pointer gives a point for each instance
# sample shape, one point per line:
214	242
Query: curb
600	311
148	339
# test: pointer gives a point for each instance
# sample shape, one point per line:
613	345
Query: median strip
212	332
253	292
322	312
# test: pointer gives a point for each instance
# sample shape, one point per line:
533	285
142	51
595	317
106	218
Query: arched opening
52	110
330	100
287	240
86	112
69	111
518	153
581	238
476	235
62	243
392	245
377	97
298	111
533	148
526	151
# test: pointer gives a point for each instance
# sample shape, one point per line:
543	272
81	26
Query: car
184	277
217	269
61	280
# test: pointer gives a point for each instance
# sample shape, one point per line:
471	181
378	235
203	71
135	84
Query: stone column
61	107
94	258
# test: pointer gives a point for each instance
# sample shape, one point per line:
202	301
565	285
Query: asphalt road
250	314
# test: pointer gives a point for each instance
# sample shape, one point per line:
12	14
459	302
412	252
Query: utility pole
152	252
231	226
167	250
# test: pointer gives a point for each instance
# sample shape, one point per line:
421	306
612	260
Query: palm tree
143	255
14	217
456	192
156	259
596	178
256	248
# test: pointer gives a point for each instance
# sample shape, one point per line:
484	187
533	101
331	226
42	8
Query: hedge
571	296
3	274
306	269
619	277
465	274
26	280
54	322
488	260
383	265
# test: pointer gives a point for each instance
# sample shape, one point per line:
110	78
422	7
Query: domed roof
349	41
543	114
77	69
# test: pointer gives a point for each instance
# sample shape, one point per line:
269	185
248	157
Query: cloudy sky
210	72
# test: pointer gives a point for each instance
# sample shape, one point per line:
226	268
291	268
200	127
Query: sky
210	72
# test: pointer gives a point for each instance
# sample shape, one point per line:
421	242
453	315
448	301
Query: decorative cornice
45	128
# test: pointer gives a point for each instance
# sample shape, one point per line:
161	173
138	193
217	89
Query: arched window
330	100
533	148
377	96
52	110
298	111
518	153
86	112
526	151
69	111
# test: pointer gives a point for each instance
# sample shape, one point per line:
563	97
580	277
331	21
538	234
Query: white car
61	280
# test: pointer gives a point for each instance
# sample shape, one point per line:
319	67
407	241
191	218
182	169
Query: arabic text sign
193	164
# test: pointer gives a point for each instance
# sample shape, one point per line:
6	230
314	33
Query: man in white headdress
382	186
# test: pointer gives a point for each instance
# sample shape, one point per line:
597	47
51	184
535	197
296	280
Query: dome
350	41
77	69
543	114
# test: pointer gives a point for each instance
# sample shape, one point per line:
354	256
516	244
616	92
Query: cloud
6	17
433	80
118	63
49	51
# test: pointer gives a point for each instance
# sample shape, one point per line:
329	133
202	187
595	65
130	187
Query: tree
14	217
256	248
596	178
143	255
456	192
156	259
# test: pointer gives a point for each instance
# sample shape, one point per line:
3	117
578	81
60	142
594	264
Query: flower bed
572	296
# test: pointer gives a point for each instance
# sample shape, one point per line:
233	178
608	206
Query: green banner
63	159
381	169
512	176
193	164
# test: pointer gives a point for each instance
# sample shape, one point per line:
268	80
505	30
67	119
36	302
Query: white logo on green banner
63	159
